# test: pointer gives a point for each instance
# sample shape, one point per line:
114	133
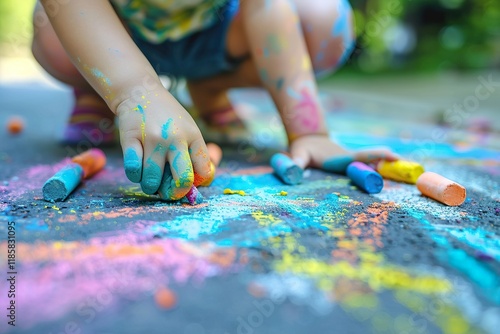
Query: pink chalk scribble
75	276
30	180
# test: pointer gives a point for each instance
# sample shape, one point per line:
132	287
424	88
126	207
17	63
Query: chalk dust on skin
140	110
132	165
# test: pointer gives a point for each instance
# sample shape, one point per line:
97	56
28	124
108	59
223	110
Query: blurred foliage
393	35
15	27
426	35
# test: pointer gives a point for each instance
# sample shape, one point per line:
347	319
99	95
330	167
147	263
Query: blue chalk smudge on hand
160	149
165	127
166	189
133	165
151	178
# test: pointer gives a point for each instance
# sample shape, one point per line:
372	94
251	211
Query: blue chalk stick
286	169
338	164
59	186
365	177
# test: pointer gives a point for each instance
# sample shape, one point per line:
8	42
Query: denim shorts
199	55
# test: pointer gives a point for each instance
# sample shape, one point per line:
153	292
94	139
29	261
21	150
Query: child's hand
162	146
315	150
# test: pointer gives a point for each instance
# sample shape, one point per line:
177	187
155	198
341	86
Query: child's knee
339	40
47	49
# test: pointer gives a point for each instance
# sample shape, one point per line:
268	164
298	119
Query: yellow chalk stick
402	171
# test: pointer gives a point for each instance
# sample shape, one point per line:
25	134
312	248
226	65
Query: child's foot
215	116
222	126
90	121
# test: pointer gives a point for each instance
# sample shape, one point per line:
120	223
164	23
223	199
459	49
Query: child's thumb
300	156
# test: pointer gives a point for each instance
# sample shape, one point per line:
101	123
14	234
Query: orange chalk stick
215	153
441	189
165	298
15	125
92	161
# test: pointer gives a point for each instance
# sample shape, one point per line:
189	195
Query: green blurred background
393	35
16	27
426	35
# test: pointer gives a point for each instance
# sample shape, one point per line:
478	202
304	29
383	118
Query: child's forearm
101	49
280	53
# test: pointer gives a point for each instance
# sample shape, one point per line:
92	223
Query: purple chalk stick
483	256
193	197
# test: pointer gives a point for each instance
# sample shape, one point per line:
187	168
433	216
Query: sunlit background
424	35
426	51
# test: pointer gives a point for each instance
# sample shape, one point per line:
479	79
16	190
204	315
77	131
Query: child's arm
282	59
154	128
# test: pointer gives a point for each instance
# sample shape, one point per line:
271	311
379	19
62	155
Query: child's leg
89	110
210	95
284	37
280	49
328	28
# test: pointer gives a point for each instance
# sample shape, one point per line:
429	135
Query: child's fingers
153	166
133	152
215	153
374	154
132	158
177	185
167	185
301	156
200	157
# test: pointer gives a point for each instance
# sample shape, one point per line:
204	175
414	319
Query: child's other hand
163	148
315	150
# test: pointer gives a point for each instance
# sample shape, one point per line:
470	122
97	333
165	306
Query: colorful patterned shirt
160	20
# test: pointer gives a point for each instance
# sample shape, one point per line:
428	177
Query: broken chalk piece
338	164
402	171
228	191
92	161
365	177
441	189
193	197
286	169
59	186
